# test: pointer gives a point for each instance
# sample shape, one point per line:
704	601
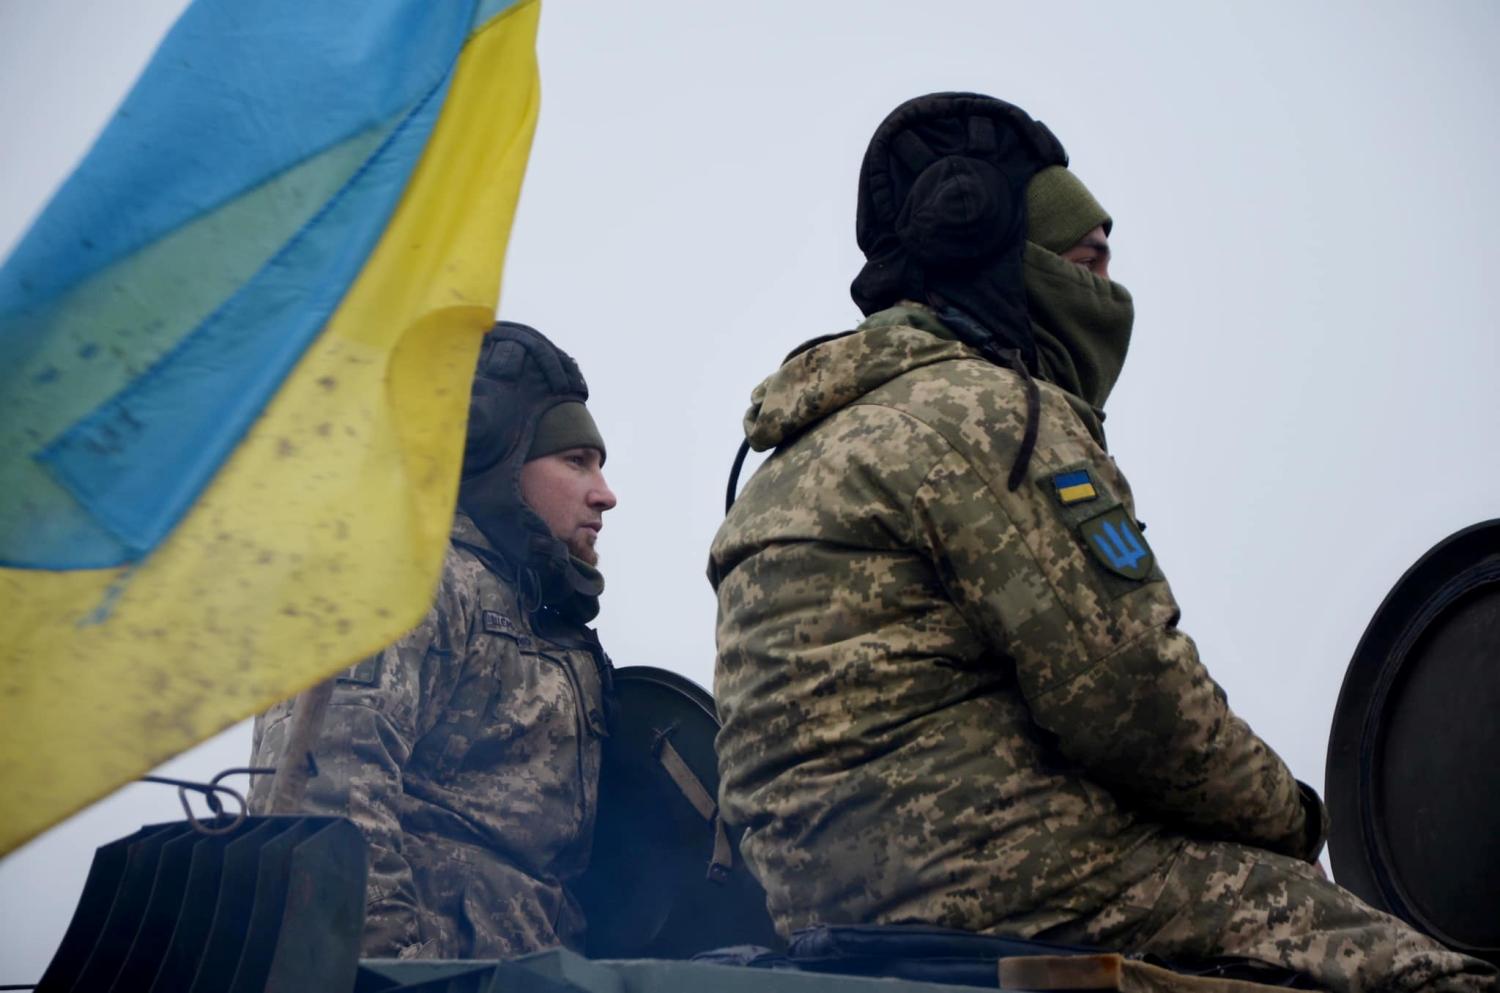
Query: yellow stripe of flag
322	538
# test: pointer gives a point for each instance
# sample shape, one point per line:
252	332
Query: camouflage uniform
939	707
468	754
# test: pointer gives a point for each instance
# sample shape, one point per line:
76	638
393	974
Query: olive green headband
567	425
1060	210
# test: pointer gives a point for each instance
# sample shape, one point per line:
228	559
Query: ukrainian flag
235	353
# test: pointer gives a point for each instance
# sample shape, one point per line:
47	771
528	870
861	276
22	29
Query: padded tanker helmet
942	210
519	377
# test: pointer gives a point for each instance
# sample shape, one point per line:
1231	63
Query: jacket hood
826	375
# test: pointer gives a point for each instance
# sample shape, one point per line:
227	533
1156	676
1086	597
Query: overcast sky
1304	211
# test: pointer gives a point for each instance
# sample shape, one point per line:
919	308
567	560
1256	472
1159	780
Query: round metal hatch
1413	776
649	891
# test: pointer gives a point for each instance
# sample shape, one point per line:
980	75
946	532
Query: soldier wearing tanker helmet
951	680
468	752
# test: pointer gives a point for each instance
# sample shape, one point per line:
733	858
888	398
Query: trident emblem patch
1118	544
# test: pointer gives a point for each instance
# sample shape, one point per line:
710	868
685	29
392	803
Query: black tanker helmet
942	214
521	375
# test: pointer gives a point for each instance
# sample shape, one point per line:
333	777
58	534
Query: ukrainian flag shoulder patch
1074	486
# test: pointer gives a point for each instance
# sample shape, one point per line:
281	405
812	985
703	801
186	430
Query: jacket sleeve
380	707
1099	657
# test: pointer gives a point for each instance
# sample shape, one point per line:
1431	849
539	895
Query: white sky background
1304	211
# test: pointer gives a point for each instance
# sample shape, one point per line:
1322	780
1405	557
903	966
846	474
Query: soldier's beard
581	546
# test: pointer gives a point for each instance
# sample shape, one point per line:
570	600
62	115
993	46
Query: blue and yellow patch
1074	486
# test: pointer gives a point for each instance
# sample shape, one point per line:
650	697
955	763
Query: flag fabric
235	355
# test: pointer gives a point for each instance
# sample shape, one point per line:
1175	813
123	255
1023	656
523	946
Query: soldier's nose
602	496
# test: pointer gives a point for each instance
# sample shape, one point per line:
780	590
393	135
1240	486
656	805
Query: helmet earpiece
958	209
491	429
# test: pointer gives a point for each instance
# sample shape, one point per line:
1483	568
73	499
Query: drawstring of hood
968	331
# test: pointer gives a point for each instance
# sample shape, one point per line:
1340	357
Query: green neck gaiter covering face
1081	322
1082	326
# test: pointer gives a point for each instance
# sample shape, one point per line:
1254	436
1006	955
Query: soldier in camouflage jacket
468	752
951	680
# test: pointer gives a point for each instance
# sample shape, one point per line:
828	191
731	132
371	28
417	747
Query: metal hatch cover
1412	783
650	891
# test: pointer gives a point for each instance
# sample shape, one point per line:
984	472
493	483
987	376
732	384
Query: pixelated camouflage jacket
468	753
937	704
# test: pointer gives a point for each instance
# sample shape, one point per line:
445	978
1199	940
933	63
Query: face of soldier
568	492
1091	252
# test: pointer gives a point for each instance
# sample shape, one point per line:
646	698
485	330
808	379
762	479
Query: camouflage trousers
474	905
1222	899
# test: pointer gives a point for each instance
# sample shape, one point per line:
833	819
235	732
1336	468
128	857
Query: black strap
734	474
1033	415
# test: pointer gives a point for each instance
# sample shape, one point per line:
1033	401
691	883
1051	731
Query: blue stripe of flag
239	92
